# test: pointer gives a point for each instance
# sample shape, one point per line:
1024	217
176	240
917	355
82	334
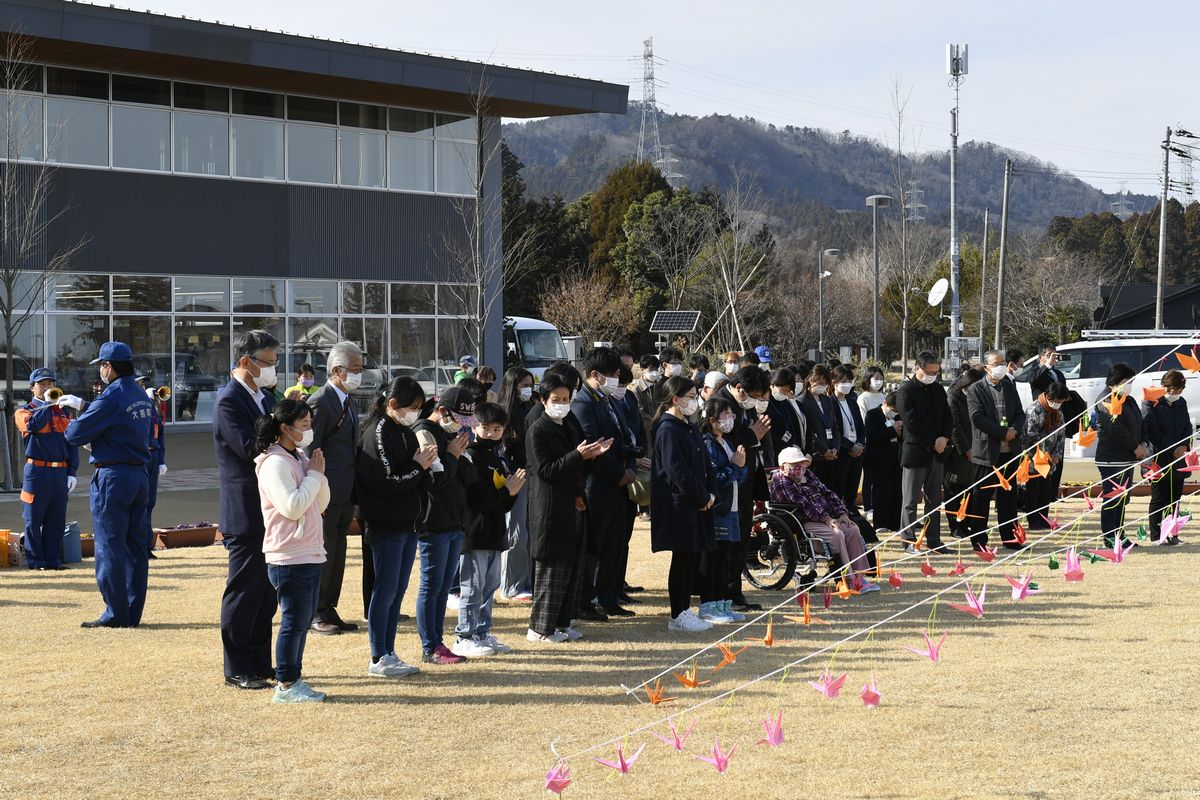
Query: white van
533	344
1085	365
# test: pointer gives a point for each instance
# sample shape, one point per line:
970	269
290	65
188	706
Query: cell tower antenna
649	150
956	68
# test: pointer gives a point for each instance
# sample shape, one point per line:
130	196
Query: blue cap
41	374
467	360
113	351
763	352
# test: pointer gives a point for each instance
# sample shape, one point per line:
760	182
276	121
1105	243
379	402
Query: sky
1086	86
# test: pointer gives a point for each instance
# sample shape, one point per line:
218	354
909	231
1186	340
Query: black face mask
485	444
487	387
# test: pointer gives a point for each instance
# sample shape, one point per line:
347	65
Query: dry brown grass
1083	691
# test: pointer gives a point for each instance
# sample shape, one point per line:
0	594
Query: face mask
818	389
674	370
1054	405
1171	398
725	423
765	367
557	410
890	413
927	378
618	393
407	418
761	406
653	375
105	380
305	438
525	393
609	384
876	384
845	388
747	404
450	425
689	406
698	377
780	396
798	388
998	372
352	381
306	383
487	387
731	367
266	378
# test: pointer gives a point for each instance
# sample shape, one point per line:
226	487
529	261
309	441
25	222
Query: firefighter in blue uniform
50	466
157	466
117	426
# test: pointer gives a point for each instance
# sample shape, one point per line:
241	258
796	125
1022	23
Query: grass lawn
1081	691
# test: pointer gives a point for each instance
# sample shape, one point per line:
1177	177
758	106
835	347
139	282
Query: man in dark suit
1046	372
925	417
602	417
996	421
335	432
249	600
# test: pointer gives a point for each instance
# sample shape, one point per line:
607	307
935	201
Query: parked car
21	371
373	376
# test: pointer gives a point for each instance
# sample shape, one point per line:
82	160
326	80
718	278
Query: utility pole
1003	254
1162	234
983	276
956	67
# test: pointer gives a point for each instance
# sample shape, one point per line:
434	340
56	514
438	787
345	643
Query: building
1131	306
224	178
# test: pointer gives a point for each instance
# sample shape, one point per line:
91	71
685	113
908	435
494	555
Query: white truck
533	344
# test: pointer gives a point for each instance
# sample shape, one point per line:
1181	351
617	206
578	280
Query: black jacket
1117	439
858	436
391	489
788	427
602	418
822	415
987	430
1041	377
883	444
1164	425
514	435
925	414
482	472
335	431
557	477
447	495
681	483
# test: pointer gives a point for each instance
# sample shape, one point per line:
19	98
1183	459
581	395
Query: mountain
797	168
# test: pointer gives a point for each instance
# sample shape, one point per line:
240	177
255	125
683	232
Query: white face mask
731	367
998	372
305	438
761	406
450	424
351	381
890	413
618	393
747	404
150	394
525	393
609	385
725	423
876	384
818	389
407	418
798	388
1054	405
674	370
764	366
928	378
845	388
780	396
266	377
689	406
1171	398
557	410
652	376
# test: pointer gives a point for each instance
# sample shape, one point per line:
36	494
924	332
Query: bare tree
28	261
1049	292
671	243
583	303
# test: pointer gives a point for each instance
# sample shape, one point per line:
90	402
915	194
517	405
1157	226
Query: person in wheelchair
822	512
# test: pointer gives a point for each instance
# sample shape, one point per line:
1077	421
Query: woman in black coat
824	422
960	472
1119	446
682	492
558	461
882	462
1168	427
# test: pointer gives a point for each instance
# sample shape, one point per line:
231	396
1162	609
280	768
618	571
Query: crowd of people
533	492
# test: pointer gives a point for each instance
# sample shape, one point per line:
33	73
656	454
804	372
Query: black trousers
849	476
681	580
885	495
737	550
368	570
1164	495
622	571
556	593
247	608
981	501
606	569
335	524
1040	493
715	572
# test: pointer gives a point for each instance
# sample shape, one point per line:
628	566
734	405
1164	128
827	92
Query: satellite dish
938	292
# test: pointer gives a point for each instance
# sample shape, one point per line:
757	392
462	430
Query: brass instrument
163	393
53	393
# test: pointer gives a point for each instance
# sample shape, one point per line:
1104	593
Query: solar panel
674	321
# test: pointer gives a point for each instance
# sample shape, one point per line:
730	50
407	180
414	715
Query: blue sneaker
727	607
715	612
298	692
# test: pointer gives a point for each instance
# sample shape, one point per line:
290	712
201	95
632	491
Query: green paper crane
1053	562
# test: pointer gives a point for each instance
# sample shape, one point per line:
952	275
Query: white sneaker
390	666
470	648
572	634
452	602
524	597
558	637
688	621
498	647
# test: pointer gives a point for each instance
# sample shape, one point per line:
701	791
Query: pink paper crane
1073	573
927	569
1053	523
870	693
1117	553
1088	497
1021	586
774	729
677	740
986	553
932	651
718	760
974	605
1117	490
1153	471
622	764
558	778
1171	525
959	567
827	684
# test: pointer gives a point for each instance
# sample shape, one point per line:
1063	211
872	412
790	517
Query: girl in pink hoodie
293	491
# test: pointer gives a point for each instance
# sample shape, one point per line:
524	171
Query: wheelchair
779	550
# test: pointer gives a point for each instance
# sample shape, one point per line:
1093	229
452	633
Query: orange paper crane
689	679
1152	394
1086	437
656	694
1023	475
844	592
961	513
1004	483
728	656
769	638
808	618
1041	462
1190	363
1115	402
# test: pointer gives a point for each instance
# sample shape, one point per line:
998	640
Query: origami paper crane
719	760
1191	462
1152	394
622	764
878	569
558	778
960	514
1019	535
808	618
894	580
1142	533
1004	483
974	604
1041	462
827	684
1023	475
1117	490
920	542
1190	363
769	638
1093	558
1020	586
728	656
844	592
656	694
870	694
1114	403
827	597
959	567
1117	553
1073	572
1053	562
1172	524
1086	437
689	679
931	651
774	729
927	569
1087	496
986	553
1152	472
677	740
1053	523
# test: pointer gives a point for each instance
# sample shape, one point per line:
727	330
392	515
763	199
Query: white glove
70	401
71	481
162	469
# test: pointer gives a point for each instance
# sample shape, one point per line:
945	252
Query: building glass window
149	337
410	163
361	115
402	120
82	292
362	157
456	167
457	299
311	151
28	345
309	340
312	109
136	89
23	135
313	297
258	104
257	295
198	293
202	359
201	97
456	338
21	76
201	143
77	132
28	290
412	298
276	326
141	138
352	297
73	341
413	347
453	126
141	293
77	83
376	298
257	148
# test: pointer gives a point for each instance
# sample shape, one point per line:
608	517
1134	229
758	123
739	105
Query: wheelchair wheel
771	553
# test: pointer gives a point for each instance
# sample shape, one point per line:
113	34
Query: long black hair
510	398
404	390
672	388
268	427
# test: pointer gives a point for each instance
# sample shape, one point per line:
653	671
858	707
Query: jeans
479	574
298	586
392	553
439	561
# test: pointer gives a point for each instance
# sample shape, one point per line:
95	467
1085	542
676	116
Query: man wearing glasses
249	601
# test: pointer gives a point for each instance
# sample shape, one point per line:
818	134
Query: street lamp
876	202
821	276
